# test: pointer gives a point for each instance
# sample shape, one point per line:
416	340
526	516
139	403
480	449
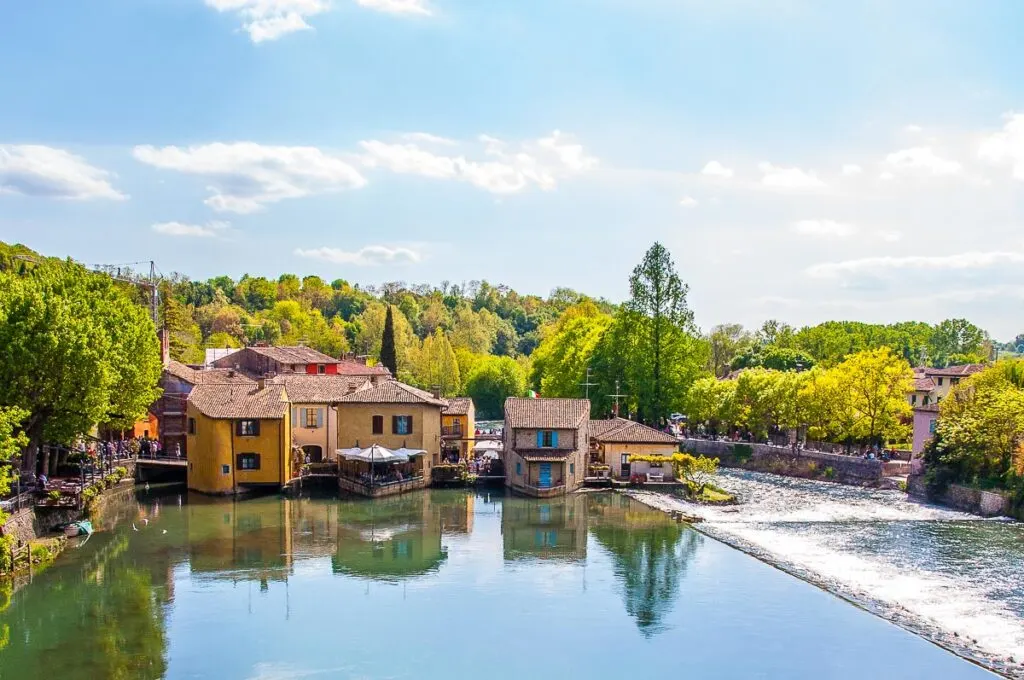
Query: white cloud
960	261
889	236
716	169
398	6
537	163
886	176
851	169
427	138
777	177
1007	146
247	176
46	172
208	230
921	159
688	202
271	19
824	228
914	129
369	256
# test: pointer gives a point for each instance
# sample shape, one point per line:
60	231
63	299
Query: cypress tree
388	357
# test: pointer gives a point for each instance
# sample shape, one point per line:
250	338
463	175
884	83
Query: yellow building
239	437
393	415
314	412
613	442
458	427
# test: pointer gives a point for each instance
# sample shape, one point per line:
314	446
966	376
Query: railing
24	499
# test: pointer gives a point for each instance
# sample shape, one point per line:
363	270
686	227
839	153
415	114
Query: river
954	578
455	584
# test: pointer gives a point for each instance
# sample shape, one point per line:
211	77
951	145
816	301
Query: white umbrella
374	454
409	453
489	449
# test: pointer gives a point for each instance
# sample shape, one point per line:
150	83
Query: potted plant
53	497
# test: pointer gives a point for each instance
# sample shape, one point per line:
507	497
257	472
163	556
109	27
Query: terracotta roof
294	355
239	401
457	406
390	392
319	389
923	384
350	367
200	376
622	431
182	372
955	371
559	414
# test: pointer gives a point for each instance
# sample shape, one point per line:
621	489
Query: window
225	469
321	369
248	461
312	417
931	426
401	424
519	469
624	459
547	439
913	399
191	425
927	400
378	424
248	428
940	382
572	468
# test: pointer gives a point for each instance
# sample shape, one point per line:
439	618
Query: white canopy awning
409	453
374	454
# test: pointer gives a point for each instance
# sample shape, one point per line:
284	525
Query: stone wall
964	498
21	525
782	461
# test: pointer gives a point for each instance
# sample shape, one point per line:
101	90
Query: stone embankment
965	499
783	461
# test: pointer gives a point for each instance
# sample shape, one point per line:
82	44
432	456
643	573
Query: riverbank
907	563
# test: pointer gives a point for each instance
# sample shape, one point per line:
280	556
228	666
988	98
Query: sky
802	160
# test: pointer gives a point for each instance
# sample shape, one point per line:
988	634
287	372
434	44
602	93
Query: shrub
6	545
54	495
812	467
121	470
830	472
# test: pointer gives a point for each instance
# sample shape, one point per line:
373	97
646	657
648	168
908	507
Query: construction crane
124	272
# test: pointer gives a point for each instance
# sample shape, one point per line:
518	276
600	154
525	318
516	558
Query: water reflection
651	553
552	529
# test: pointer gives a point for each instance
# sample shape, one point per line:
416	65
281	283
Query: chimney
231	373
436	391
261	383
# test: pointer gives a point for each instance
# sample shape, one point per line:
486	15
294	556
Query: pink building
925	418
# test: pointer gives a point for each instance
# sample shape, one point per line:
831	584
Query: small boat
82	528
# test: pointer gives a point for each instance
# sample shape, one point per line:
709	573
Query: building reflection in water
651	552
549	529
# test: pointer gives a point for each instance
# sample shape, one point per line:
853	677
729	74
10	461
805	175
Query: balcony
452	432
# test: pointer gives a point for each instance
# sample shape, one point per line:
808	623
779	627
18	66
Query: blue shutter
319	417
295	417
554	440
540	439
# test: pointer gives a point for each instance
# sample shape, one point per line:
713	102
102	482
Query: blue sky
803	160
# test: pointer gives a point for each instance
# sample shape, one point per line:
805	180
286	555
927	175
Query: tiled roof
623	431
319	389
194	376
294	355
390	392
955	371
239	401
923	384
457	406
350	367
559	414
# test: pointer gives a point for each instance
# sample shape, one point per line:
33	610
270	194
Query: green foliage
561	360
742	452
696	470
75	350
12	441
492	380
830	472
434	364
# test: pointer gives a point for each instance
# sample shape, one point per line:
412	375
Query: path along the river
953	578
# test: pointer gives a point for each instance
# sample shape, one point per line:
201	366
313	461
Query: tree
561	360
665	355
74	351
434	365
698	471
955	336
493	380
388	353
878	382
712	401
12	441
726	342
470	330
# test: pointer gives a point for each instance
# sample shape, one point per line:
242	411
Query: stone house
314	400
271	361
932	385
239	437
614	441
546	445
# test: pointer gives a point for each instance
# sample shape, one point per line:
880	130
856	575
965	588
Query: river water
954	578
455	584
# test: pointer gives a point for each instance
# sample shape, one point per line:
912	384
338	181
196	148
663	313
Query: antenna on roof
617	396
587	385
